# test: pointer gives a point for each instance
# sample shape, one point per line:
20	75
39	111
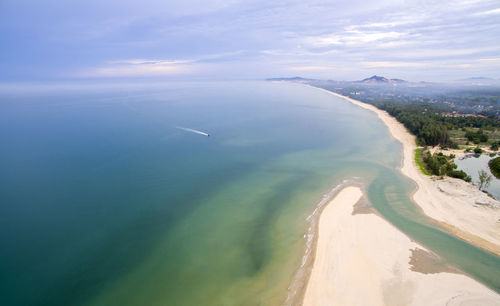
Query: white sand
363	260
460	207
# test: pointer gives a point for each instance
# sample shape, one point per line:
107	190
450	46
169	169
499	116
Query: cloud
119	38
140	68
310	68
490	61
490	12
153	67
151	62
352	37
394	64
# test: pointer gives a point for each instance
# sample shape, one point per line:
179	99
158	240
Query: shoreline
459	207
297	289
362	252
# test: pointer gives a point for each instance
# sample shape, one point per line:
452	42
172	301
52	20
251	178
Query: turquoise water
105	202
473	164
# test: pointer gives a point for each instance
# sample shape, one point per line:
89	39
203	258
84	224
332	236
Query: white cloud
156	38
427	53
140	68
153	67
310	68
151	62
395	64
492	61
352	37
299	53
490	12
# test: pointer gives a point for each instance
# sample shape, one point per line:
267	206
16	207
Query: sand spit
361	259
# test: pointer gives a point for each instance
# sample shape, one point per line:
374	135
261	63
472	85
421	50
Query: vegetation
440	98
440	164
476	136
438	115
460	174
419	162
433	128
448	116
424	126
484	179
494	165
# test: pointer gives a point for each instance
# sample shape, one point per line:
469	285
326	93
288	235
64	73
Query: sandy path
363	260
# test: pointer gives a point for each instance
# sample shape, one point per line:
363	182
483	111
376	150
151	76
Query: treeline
475	122
423	124
431	127
420	111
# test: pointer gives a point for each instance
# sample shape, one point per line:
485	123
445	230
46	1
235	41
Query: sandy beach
458	206
361	259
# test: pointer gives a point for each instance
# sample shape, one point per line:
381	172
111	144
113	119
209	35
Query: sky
233	39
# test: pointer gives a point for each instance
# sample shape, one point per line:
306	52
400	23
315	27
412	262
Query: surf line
193	131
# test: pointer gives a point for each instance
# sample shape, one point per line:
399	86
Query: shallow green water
389	193
105	202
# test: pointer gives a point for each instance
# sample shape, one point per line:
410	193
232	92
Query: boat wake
193	131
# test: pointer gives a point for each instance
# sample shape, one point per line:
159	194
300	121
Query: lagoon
472	164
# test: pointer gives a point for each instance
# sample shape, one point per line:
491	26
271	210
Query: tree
494	165
484	179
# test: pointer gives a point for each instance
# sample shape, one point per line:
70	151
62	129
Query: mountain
380	79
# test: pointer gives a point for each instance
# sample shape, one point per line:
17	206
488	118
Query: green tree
484	179
494	165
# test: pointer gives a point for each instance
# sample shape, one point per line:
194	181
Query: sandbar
362	259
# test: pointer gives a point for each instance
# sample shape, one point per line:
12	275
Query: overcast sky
202	39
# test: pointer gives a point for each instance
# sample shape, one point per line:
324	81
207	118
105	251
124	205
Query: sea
188	193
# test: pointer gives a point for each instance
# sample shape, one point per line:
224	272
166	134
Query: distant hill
380	79
295	79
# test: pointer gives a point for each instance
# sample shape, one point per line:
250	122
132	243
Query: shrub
460	174
494	165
